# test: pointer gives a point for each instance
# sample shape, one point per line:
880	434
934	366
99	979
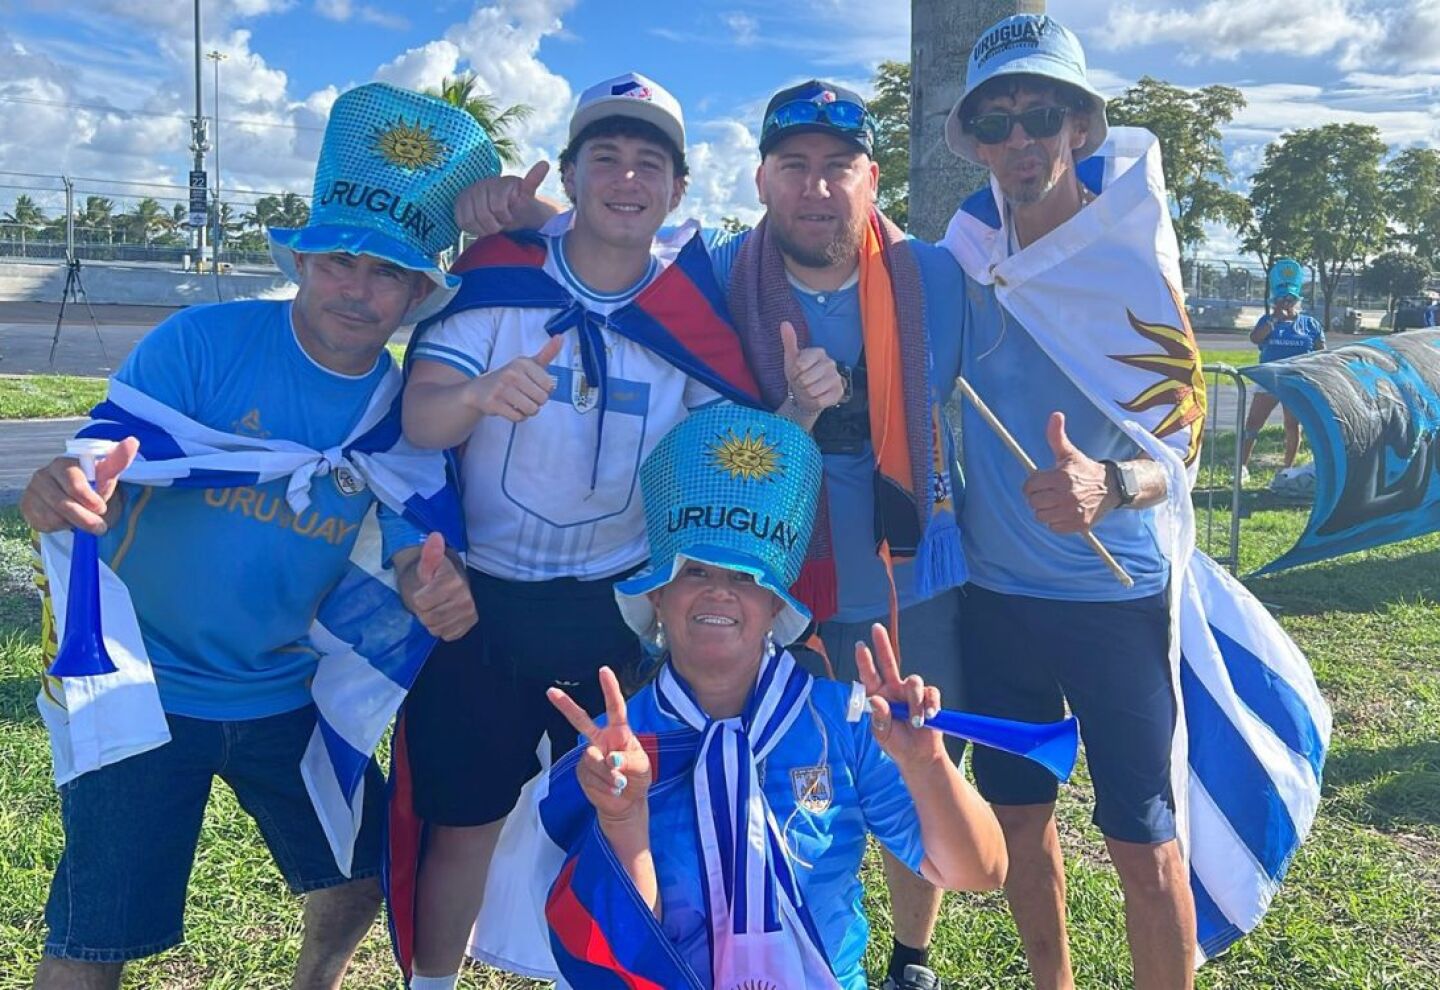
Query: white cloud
1110	84
422	68
1358	35
500	43
1228	29
722	173
1277	107
345	10
744	29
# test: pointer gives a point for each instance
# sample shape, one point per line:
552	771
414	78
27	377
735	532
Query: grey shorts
929	646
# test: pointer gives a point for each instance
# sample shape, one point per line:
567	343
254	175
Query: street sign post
198	202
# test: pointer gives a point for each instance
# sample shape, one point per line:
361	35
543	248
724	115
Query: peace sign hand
909	744
614	771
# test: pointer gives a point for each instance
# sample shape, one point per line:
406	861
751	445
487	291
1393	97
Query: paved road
27	444
27	331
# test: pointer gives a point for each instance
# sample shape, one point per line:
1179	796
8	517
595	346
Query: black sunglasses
1039	123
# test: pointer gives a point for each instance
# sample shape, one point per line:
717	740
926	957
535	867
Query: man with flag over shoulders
1204	729
854	331
262	621
563	360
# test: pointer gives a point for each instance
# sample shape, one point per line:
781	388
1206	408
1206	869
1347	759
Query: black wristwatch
1123	479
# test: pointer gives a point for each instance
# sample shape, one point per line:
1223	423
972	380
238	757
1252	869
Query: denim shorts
1026	658
131	830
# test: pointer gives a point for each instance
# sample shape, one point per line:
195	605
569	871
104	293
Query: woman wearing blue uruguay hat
783	775
1283	332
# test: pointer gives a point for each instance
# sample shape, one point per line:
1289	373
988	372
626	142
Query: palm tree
97	216
459	91
25	213
26	217
147	219
294	211
286	210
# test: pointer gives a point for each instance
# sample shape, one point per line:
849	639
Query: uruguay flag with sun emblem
1100	295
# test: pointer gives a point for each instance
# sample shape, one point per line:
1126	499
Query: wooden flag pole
1120	573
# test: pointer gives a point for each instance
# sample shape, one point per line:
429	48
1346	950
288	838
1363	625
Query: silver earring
770	642
659	635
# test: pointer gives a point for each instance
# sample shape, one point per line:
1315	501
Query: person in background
1281	333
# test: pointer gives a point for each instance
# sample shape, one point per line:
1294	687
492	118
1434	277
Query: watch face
1129	483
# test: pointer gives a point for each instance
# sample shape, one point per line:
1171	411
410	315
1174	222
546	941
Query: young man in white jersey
556	407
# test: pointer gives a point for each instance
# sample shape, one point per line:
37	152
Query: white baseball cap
631	95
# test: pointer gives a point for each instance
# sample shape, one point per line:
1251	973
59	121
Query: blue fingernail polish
617	760
917	721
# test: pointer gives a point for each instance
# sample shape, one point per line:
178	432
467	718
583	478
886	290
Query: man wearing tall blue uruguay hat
279	620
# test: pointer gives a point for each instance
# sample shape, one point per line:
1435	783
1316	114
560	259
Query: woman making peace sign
733	795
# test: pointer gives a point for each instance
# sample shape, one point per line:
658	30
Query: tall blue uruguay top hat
731	487
1286	278
391	164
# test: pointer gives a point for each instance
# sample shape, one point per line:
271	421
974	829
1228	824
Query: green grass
1358	910
48	396
1240	358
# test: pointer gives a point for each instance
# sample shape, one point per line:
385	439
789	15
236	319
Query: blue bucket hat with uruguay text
1031	45
730	487
1286	279
391	164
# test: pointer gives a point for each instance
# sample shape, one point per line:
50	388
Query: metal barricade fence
1209	462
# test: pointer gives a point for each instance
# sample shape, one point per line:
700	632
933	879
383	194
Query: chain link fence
110	225
1230	295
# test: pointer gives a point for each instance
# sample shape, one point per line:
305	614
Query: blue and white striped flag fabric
1100	294
371	647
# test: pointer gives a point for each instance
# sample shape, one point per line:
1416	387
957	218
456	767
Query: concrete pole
198	142
942	32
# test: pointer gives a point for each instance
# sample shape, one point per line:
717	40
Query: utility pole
199	146
942	32
217	57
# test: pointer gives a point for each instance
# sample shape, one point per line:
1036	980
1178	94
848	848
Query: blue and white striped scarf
1100	295
761	933
371	647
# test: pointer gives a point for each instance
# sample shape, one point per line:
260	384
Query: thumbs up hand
813	377
504	202
516	390
1074	495
433	586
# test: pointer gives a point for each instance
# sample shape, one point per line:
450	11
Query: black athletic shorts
478	709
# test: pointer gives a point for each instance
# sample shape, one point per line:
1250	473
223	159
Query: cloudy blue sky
102	89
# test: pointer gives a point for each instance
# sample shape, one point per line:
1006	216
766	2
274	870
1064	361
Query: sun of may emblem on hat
750	457
412	146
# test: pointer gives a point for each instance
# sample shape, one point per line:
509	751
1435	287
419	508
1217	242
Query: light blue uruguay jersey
226	581
851	788
833	319
1289	337
1009	551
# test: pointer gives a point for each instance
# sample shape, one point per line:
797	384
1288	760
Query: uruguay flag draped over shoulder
1100	294
371	647
559	906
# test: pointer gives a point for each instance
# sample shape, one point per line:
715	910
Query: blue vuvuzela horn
1053	745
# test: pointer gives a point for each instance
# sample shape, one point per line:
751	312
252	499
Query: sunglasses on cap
1039	123
840	114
